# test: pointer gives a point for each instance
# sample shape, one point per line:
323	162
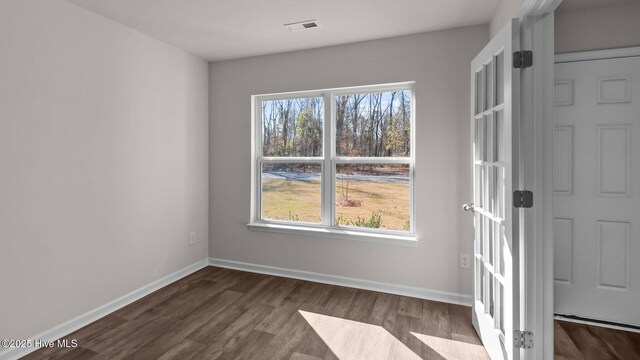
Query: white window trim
326	229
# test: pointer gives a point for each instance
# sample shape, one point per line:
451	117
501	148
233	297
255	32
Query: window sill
335	233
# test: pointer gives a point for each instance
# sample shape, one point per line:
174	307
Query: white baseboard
420	293
72	325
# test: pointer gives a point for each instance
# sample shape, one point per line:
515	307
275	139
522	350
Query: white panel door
494	124
596	184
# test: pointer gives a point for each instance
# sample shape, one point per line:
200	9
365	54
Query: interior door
494	124
596	185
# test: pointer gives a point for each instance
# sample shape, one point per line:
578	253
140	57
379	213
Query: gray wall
506	10
439	63
601	26
103	162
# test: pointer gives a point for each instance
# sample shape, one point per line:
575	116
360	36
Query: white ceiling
227	29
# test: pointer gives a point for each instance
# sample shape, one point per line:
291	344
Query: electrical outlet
465	261
192	238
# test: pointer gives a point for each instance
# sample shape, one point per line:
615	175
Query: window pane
291	192
374	124
292	127
373	196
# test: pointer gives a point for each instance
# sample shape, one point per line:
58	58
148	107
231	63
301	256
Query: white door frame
537	125
536	104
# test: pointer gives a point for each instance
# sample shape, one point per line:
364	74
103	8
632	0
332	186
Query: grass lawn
291	200
300	200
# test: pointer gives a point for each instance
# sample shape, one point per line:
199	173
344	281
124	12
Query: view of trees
371	124
374	124
292	127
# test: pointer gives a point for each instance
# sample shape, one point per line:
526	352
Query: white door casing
494	137
596	189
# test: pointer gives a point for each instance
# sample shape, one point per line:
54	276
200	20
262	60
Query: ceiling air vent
302	25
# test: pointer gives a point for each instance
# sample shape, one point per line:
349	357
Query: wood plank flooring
219	313
585	342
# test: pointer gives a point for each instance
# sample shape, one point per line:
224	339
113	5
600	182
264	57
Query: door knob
468	207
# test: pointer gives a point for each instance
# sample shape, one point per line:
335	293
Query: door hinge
522	339
522	199
522	59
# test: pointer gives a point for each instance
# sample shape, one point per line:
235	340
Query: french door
494	136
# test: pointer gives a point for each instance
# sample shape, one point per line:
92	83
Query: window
337	161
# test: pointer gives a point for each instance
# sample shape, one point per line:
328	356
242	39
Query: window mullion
372	160
291	160
327	168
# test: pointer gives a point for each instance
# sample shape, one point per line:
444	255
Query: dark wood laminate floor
585	342
219	313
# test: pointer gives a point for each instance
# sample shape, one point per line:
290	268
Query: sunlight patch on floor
452	349
353	340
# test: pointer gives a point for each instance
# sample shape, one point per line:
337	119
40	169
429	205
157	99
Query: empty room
320	179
